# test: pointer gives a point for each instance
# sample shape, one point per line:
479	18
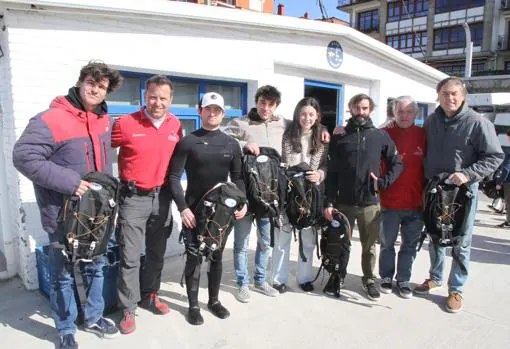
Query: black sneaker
404	290
282	288
371	291
194	316
333	286
386	286
67	342
505	224
218	310
104	328
307	287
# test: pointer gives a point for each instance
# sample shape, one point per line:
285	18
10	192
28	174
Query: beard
359	120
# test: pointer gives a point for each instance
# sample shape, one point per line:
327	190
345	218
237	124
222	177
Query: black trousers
144	226
192	271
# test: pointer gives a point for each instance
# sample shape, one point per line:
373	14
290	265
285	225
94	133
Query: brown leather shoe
454	302
426	286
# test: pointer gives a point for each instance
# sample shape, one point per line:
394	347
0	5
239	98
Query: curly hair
268	92
99	71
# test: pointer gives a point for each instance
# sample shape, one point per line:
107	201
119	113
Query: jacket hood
72	103
354	125
253	116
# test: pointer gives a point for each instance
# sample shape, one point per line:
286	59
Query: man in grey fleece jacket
464	144
260	128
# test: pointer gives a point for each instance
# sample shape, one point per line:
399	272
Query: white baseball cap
213	98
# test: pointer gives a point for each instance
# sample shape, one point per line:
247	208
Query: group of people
375	176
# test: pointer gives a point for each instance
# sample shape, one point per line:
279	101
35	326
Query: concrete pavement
299	320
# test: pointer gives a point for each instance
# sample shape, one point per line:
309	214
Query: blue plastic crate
110	271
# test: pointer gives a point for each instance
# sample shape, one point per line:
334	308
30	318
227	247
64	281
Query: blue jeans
411	225
460	268
242	230
64	309
281	255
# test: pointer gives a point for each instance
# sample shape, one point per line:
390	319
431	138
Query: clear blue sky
296	8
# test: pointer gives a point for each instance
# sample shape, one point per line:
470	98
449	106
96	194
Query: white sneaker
243	294
266	289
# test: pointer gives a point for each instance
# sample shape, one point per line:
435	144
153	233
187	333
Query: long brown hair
294	131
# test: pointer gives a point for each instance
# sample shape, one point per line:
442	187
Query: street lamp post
469	51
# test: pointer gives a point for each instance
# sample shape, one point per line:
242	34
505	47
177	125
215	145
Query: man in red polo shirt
147	140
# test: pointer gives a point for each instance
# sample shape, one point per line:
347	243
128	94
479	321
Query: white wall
47	50
10	221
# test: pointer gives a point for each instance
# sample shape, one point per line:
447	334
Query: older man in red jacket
401	203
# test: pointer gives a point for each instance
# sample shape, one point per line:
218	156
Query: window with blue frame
454	5
400	10
455	37
368	21
408	42
421	114
187	94
458	69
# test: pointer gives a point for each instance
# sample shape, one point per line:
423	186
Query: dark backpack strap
80	286
272	224
317	246
301	251
321	268
422	240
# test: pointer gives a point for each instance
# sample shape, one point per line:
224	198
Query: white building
45	43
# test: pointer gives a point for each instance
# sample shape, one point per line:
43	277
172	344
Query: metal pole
469	51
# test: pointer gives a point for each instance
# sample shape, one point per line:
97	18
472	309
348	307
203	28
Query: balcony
502	43
343	4
491	72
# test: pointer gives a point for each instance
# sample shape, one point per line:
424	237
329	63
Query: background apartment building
431	30
265	6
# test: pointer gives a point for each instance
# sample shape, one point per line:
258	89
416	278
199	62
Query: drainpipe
469	51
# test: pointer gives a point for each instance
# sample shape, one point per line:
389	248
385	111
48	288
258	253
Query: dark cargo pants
369	221
144	220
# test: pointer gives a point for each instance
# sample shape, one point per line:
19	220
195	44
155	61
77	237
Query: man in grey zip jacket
464	144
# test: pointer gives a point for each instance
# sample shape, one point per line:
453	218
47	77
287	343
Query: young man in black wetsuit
208	156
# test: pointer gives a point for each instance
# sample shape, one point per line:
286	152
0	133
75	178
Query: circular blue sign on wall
335	54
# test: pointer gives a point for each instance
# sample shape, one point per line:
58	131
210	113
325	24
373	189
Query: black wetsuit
208	157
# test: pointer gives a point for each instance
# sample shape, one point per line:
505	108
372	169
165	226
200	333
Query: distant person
390	114
503	182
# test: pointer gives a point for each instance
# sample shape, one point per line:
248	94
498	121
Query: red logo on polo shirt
173	137
418	151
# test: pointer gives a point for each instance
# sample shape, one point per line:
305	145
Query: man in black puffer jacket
353	179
